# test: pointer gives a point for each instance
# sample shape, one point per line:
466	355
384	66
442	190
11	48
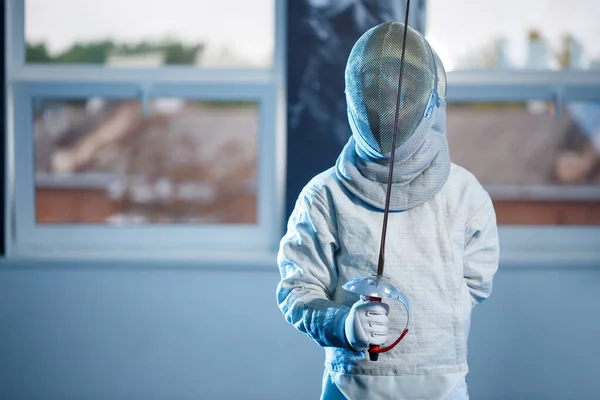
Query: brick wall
548	212
73	206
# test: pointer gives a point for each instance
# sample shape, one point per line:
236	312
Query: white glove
366	324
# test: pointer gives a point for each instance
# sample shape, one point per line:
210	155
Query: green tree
97	52
564	54
37	53
91	52
177	53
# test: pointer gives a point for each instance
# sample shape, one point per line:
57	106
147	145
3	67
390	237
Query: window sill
256	261
246	261
549	260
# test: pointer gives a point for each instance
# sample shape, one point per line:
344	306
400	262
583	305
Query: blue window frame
27	83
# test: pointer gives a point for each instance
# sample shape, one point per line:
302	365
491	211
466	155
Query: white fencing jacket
442	248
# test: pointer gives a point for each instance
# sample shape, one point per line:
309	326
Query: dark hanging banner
2	125
321	34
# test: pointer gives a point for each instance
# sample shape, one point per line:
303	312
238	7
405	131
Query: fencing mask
372	73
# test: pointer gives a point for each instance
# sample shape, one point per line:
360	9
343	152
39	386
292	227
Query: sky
455	27
243	24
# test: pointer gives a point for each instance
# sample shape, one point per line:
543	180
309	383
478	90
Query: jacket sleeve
306	262
481	252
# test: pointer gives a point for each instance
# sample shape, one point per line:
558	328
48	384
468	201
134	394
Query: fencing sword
376	287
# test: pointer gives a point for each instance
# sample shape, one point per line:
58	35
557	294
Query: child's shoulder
464	189
322	183
320	191
463	177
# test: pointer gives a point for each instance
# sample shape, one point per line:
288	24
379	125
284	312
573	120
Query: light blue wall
538	337
133	332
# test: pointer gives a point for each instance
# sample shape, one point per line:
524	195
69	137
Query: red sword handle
375	349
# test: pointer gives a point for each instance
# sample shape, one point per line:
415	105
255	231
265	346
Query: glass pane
147	33
515	34
538	170
100	161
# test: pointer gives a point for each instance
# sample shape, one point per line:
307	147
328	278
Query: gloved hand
366	324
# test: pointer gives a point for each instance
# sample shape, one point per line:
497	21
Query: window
142	33
187	162
161	135
514	34
524	114
539	169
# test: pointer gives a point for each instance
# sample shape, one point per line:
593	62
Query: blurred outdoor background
125	309
100	161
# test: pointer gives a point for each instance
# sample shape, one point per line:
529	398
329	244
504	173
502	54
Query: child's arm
308	274
481	252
